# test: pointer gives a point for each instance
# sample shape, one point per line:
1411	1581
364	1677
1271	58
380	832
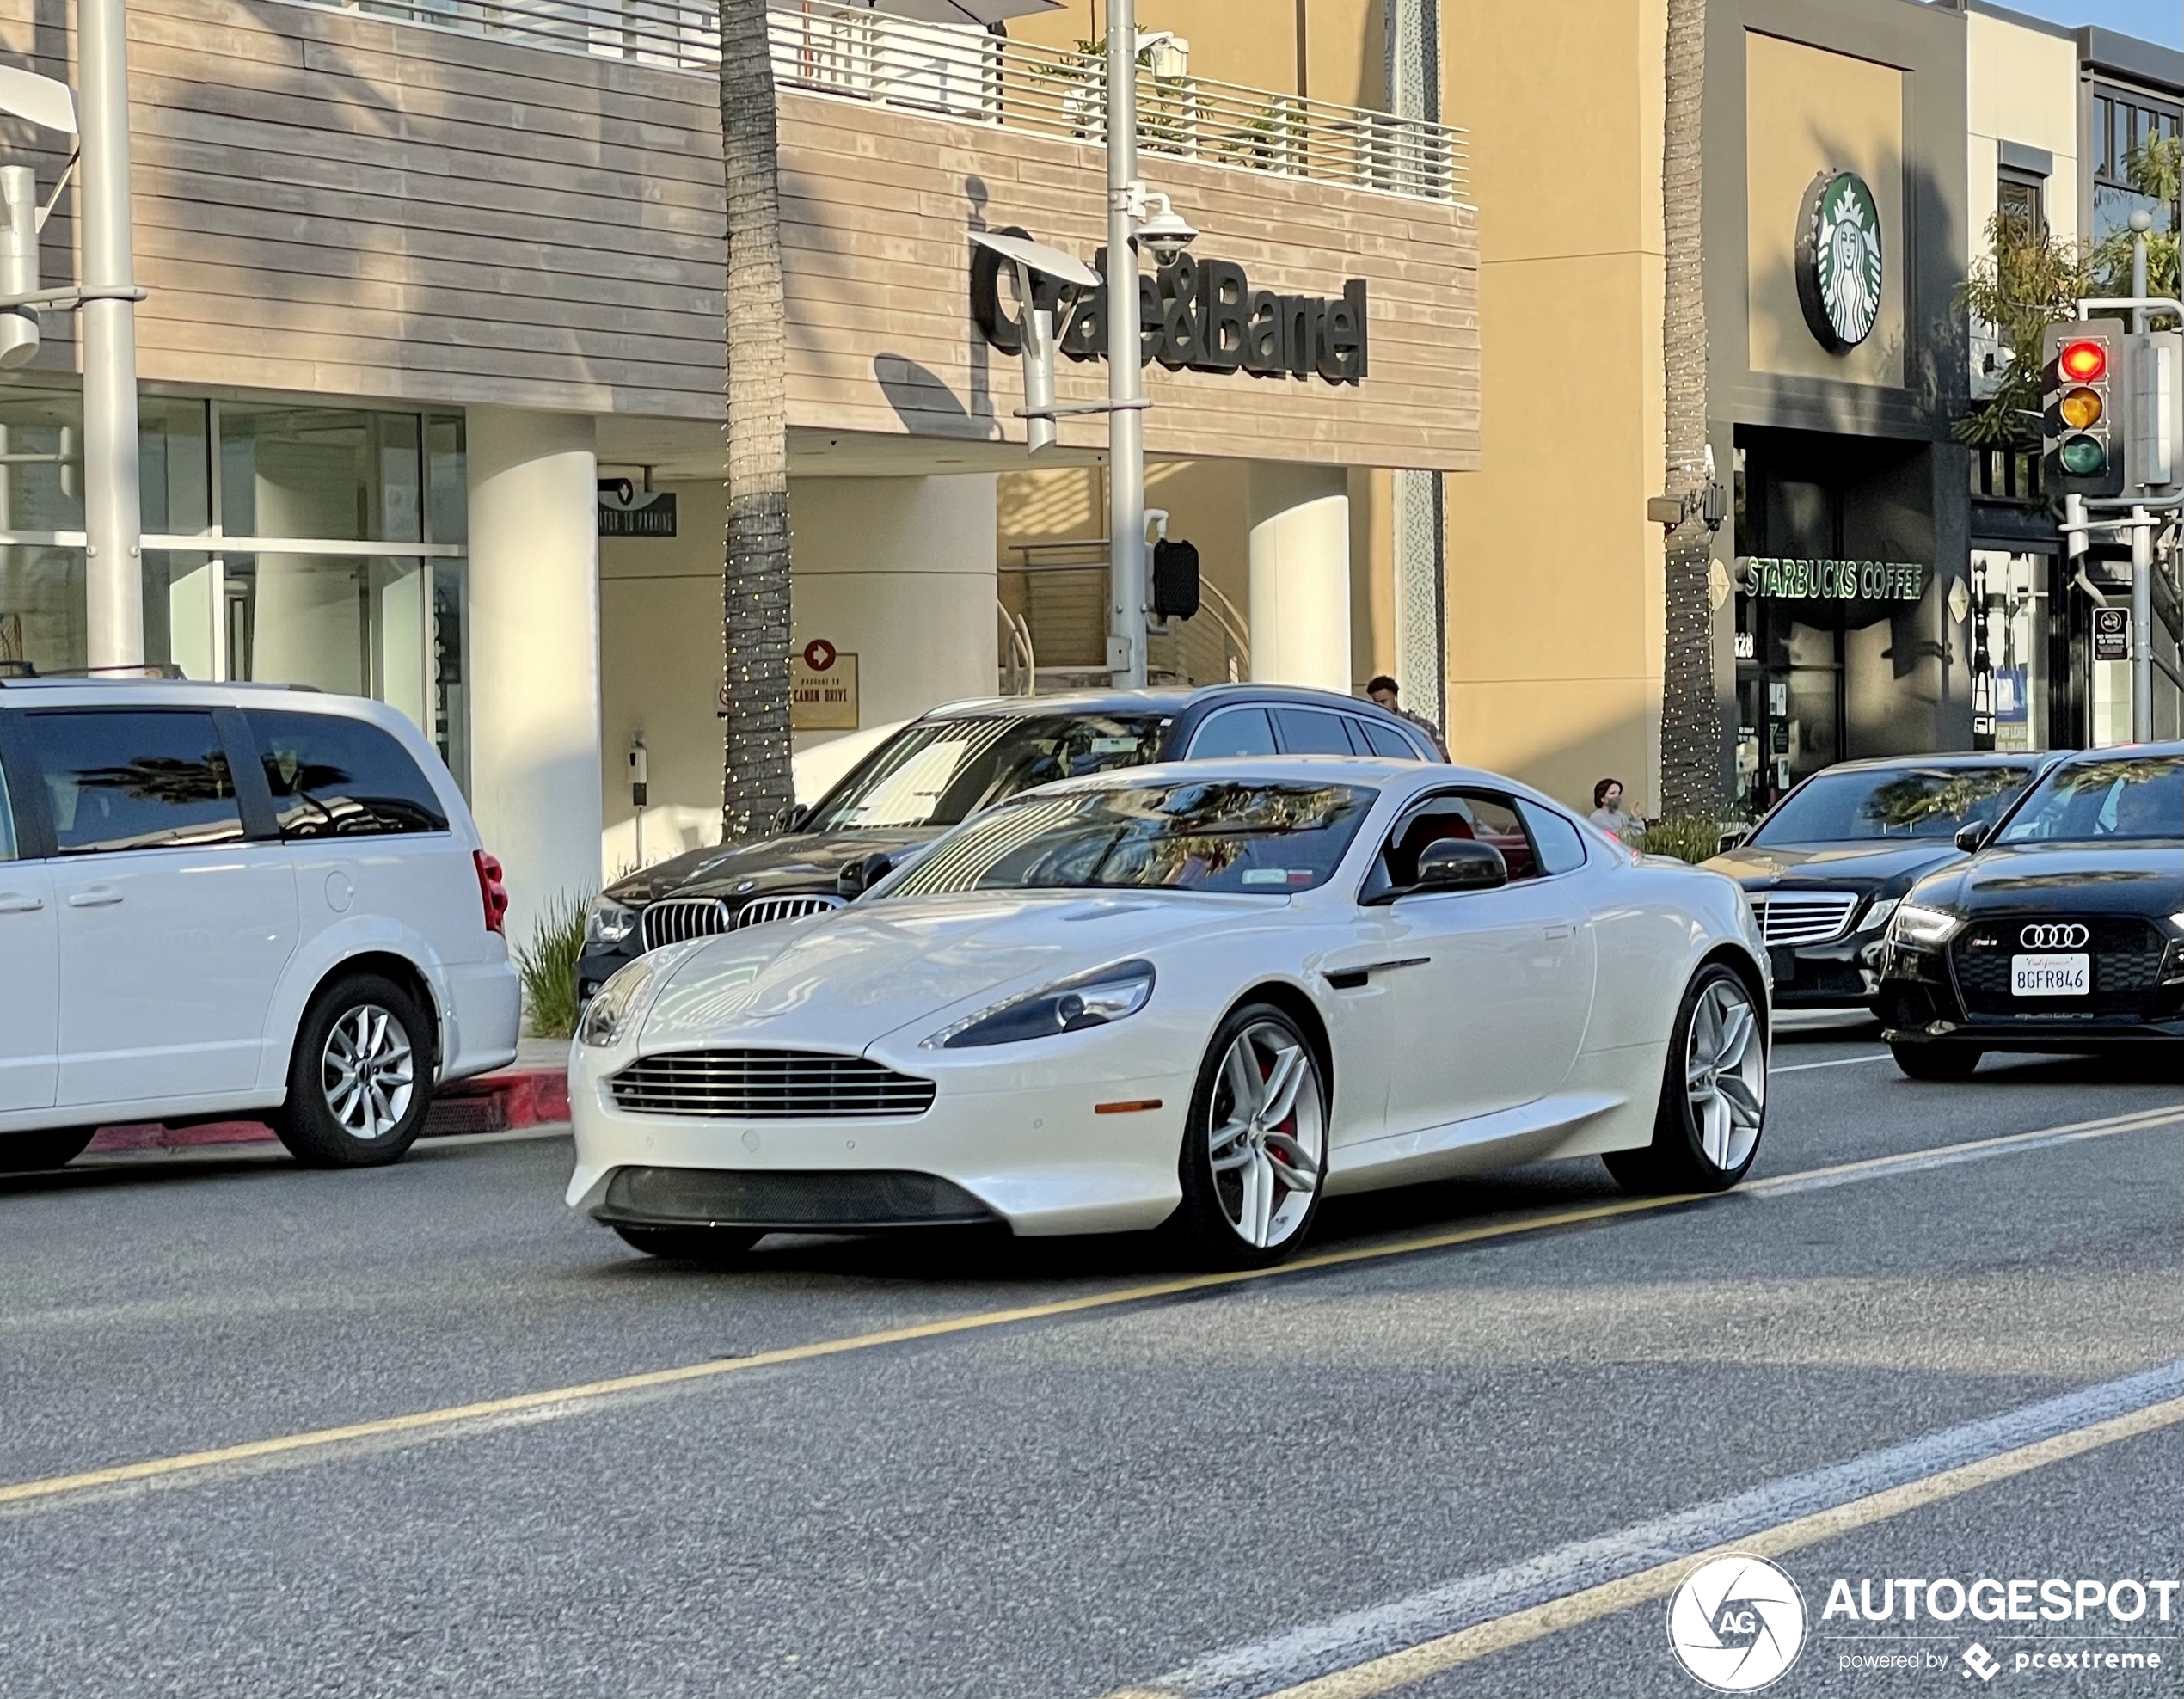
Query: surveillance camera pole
113	576
1125	377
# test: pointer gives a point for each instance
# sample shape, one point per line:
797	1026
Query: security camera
1166	234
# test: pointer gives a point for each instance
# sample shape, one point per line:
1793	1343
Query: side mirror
1970	838
794	818
1460	864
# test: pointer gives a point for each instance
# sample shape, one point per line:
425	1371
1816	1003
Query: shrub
546	963
1689	838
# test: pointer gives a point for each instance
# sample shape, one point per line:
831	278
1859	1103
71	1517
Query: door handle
95	897
1565	931
15	902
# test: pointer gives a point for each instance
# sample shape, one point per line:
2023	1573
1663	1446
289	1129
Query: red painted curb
490	1103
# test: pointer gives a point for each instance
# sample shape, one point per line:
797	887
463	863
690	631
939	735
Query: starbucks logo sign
1839	259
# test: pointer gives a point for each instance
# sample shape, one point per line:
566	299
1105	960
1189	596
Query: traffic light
1175	579
2084	391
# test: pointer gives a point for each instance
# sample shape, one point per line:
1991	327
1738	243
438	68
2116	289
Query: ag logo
1736	1623
1838	260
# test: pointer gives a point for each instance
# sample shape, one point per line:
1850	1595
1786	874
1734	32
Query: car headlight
1877	916
1916	925
608	924
615	1013
1091	999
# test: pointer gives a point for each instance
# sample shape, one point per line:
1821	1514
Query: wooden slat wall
876	204
329	203
332	204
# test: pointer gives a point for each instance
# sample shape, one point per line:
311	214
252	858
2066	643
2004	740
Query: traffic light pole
1126	374
2142	536
113	574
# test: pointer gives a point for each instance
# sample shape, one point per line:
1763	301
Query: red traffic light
2083	362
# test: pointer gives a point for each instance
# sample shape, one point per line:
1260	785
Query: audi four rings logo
2072	936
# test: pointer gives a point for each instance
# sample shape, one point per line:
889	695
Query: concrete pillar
534	642
1300	575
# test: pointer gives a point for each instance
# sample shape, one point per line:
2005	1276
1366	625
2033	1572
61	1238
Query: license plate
2050	976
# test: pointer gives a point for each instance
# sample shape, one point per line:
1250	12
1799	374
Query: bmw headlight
608	924
614	1015
1877	914
1913	924
1091	999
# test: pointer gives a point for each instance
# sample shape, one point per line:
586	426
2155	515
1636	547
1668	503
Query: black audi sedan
941	769
1825	867
2064	932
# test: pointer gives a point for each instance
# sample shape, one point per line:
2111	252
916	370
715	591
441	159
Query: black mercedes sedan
2064	932
1825	867
941	769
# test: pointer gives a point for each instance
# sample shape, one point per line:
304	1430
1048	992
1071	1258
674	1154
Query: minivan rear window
134	779
334	776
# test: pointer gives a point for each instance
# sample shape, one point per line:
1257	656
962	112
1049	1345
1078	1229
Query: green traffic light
2083	456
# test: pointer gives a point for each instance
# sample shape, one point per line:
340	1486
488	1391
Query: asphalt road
1285	1485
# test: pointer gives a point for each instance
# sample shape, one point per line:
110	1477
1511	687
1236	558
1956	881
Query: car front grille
1804	917
672	919
811	1201
767	1085
2126	953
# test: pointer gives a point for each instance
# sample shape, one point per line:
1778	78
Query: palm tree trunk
756	784
1691	727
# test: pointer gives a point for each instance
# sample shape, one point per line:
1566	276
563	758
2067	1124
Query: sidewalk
532	1092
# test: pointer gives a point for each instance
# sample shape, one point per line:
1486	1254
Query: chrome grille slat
1805	916
672	919
767	1085
760	911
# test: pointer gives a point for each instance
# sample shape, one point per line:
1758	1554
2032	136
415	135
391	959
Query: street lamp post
113	576
1125	377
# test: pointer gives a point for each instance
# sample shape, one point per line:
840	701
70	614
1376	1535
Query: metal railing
964	74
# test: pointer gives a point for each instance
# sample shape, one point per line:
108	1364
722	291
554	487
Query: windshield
943	771
1199	835
1892	802
2138	799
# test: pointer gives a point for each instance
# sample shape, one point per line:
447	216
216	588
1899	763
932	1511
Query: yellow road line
1435	1657
452	1416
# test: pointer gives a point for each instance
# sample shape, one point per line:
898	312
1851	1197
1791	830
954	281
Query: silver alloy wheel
367	1072
1266	1134
1725	1073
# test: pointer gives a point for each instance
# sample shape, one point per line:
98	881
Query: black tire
48	1148
714	1245
1202	1229
1677	1159
316	1135
1936	1061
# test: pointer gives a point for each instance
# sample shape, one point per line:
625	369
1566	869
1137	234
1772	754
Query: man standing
1385	692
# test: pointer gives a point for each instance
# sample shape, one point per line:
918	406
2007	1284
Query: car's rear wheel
689	1244
1254	1146
1936	1061
48	1148
360	1079
1713	1095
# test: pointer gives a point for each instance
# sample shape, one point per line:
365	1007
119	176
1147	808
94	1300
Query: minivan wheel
360	1080
48	1148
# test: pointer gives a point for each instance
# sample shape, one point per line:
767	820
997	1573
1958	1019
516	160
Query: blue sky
2161	21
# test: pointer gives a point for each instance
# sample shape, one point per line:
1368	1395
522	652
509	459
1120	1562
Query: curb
524	1097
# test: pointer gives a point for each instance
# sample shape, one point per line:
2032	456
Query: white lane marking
1319	1650
1972	1150
1838	1062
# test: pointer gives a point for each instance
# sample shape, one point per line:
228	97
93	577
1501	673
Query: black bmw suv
1826	865
941	770
2064	932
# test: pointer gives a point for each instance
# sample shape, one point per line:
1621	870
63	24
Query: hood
842	981
2134	878
809	861
1855	865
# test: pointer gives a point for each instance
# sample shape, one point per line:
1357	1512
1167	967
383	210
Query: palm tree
755	783
1690	724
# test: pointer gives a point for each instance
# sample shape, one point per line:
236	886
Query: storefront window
366	598
2010	666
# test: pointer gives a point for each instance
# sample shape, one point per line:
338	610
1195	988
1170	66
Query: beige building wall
1808	111
2023	87
1254	42
1555	576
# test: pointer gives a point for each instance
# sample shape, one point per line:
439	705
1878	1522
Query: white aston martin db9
1202	996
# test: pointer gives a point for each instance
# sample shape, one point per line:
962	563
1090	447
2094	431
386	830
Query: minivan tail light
491	891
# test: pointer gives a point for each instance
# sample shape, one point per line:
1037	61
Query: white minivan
228	901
